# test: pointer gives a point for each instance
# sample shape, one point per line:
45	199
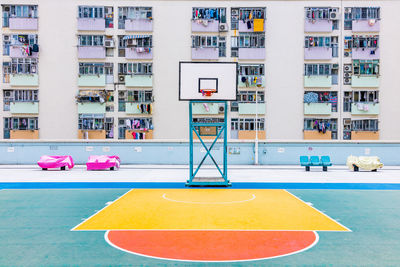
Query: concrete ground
179	173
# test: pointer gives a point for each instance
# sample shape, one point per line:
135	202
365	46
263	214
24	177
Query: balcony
251	109
365	53
91	24
251	135
134	108
91	108
139	25
24	134
92	80
319	25
205	53
366	25
24	107
139	80
246	27
148	134
92	134
316	135
205	108
24	24
364	81
364	135
251	81
91	52
138	53
317	108
317	53
318	81
210	26
24	79
251	53
365	108
18	52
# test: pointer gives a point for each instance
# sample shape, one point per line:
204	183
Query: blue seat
304	161
326	161
315	161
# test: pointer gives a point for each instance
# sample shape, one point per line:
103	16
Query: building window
135	68
218	14
23	65
317	69
246	14
91	122
366	67
91	68
321	125
90	40
322	97
133	13
247	124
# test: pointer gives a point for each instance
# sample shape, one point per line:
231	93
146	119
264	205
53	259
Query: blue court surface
38	220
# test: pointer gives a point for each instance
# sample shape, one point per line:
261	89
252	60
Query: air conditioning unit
109	43
223	27
346	54
333	14
347	9
6	9
347	68
347	75
221	109
347	81
121	78
235	12
6	37
7	93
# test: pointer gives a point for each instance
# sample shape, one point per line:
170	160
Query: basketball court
248	224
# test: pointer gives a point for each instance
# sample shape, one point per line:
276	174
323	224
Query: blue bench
307	162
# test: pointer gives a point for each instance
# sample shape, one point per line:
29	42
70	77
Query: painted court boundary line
160	185
317	210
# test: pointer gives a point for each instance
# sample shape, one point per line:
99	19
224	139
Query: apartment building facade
108	70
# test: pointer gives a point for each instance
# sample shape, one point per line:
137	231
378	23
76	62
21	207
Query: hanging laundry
248	24
258	25
311	97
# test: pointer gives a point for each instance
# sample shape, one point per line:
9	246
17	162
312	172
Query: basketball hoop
207	92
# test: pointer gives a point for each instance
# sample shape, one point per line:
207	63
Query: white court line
348	229
180	260
73	229
193	202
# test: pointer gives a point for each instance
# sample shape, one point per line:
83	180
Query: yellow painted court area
209	209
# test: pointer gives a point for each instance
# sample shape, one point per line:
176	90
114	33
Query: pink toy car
46	162
103	162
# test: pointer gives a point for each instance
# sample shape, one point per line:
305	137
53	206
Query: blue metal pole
226	142
190	142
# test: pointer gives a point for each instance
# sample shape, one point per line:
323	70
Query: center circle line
194	202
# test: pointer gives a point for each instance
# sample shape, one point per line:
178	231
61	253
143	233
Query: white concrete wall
58	64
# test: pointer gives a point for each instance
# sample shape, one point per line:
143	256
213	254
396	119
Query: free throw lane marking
271	210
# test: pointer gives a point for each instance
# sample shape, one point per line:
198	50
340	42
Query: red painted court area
212	245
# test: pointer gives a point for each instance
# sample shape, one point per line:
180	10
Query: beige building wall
284	64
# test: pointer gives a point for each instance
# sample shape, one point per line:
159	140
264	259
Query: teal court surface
166	224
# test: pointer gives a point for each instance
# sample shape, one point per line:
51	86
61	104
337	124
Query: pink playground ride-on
103	162
48	162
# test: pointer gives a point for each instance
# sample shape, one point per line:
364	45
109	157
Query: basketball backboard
208	81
